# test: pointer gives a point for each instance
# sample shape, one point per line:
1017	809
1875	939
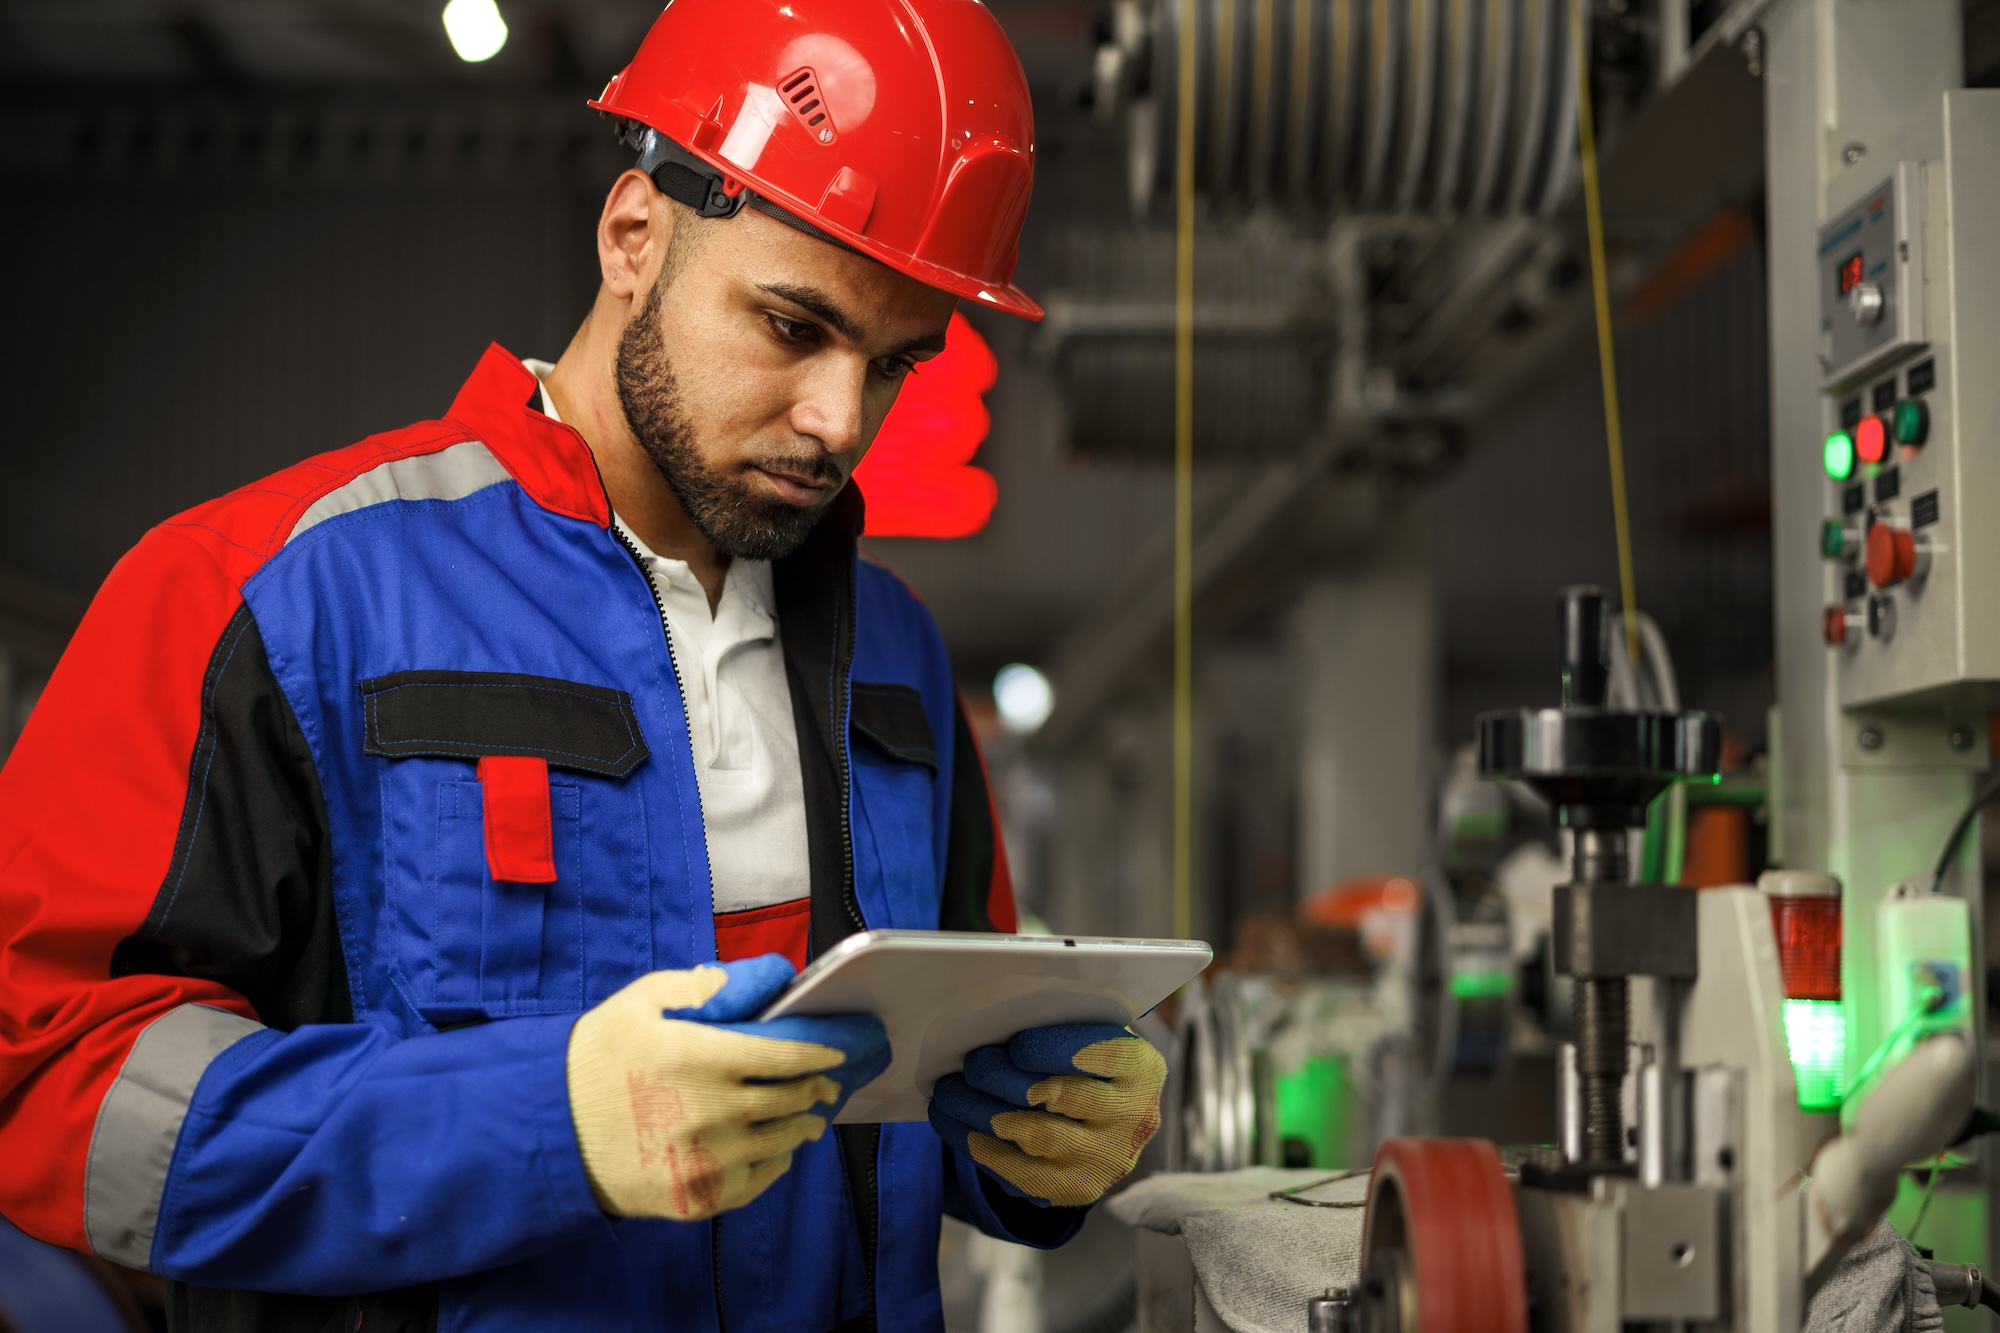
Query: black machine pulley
1598	768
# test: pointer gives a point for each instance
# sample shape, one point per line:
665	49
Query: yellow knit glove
1059	1114
687	1116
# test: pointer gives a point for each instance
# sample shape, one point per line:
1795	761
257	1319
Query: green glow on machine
1315	1106
1816	1035
1482	985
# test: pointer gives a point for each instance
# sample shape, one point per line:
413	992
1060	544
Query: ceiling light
1024	697
476	29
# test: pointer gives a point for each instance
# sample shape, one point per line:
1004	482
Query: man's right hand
683	1110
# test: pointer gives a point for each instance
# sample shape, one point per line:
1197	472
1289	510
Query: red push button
1892	555
1834	626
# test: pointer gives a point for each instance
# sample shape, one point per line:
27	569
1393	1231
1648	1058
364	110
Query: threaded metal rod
1600	1065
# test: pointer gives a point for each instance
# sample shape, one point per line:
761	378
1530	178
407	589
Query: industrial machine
1758	1073
1719	1176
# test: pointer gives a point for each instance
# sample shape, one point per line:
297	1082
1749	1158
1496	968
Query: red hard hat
900	128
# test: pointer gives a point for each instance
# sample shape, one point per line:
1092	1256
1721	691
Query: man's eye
793	330
896	368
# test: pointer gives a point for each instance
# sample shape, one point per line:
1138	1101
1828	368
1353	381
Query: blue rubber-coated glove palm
686	1107
754	983
1059	1114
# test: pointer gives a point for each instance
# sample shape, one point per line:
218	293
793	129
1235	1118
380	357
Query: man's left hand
1057	1115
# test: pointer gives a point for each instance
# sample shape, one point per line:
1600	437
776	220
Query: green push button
1838	456
1913	422
1833	539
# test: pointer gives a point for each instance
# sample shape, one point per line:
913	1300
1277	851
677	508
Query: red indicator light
1808	931
1850	273
1871	439
918	474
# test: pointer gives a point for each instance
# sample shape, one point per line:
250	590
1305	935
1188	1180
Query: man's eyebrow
816	303
823	307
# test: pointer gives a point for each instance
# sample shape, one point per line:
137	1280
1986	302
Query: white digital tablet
944	993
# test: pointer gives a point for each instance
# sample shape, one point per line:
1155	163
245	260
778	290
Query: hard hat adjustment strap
686	179
683	177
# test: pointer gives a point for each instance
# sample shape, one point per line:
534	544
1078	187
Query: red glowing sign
918	475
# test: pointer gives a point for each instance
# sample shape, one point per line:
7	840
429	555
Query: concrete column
1364	653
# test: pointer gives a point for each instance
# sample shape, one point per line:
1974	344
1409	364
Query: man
392	870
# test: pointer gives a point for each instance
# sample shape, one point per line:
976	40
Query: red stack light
1871	439
1806	919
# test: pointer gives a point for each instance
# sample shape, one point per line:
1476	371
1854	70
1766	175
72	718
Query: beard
724	507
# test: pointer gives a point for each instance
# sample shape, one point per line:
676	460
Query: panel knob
1865	302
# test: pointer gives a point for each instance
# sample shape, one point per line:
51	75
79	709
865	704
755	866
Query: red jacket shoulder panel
249	525
551	462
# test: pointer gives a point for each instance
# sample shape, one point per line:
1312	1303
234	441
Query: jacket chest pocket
468	931
895	810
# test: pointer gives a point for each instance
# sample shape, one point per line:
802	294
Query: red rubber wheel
1442	1212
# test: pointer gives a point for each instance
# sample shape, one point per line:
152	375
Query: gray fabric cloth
1880	1287
1258	1259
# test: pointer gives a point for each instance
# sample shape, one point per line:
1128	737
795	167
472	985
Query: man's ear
628	246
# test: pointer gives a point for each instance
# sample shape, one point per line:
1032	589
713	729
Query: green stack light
1816	1035
1838	455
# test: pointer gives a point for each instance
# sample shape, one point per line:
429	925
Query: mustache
812	466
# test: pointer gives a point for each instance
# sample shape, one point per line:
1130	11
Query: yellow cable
1600	282
1184	484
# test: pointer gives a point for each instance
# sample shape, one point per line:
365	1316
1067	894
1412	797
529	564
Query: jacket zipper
851	900
680	687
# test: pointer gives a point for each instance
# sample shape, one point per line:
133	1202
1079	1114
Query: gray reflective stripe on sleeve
140	1122
448	474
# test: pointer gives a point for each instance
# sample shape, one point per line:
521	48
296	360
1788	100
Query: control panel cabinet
1909	361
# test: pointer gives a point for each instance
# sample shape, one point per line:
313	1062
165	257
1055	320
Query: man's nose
831	408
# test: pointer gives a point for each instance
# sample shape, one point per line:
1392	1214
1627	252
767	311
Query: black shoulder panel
248	902
970	854
248	897
471	714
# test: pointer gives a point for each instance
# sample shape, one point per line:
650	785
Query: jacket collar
549	460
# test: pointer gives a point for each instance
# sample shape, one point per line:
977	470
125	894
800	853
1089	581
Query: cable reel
1459	107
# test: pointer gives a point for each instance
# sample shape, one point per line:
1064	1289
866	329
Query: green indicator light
1816	1034
1482	985
1912	422
1839	456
